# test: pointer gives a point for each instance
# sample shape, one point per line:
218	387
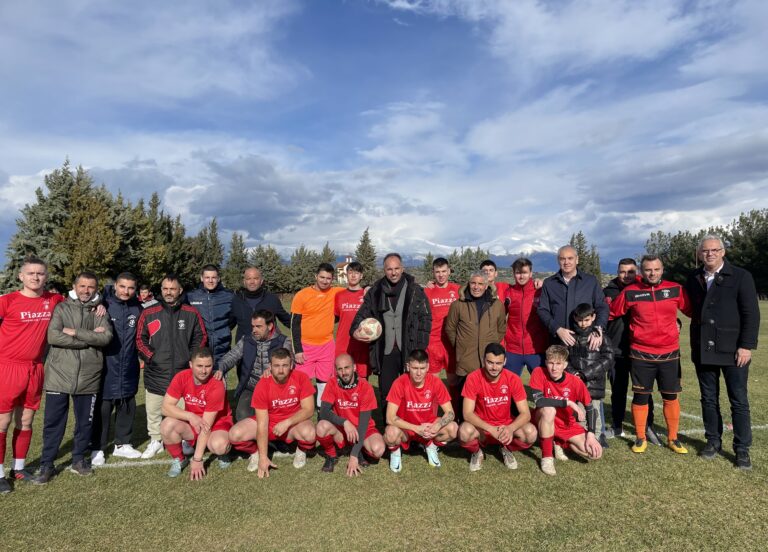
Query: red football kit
440	351
281	401
211	396
346	305
417	405
493	401
570	387
23	337
348	403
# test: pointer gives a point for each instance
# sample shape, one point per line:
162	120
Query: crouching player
284	403
556	396
346	411
488	396
205	420
412	412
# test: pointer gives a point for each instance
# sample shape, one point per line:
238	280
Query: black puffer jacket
417	320
618	328
590	366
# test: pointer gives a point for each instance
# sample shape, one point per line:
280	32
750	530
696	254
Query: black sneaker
330	463
603	441
45	474
742	460
650	434
710	451
81	468
5	486
21	475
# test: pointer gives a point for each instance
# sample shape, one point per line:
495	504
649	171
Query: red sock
473	446
547	447
305	445
516	444
175	450
20	442
249	447
328	445
3	436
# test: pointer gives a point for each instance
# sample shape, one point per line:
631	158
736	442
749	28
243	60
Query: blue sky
436	123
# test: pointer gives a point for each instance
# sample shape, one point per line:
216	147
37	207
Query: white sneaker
509	459
97	458
476	461
560	454
153	448
548	466
186	448
126	451
299	459
253	462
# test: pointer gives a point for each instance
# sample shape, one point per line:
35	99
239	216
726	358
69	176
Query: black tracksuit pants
55	424
125	412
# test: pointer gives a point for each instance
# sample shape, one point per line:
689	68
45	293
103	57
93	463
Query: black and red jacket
652	315
525	335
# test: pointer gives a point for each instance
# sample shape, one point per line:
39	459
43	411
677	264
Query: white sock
2	471
320	388
18	463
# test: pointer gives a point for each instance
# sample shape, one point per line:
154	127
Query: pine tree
268	260
589	258
302	268
237	262
365	254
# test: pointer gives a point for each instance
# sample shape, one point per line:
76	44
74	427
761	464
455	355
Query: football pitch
624	501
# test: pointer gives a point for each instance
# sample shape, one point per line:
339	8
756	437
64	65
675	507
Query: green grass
657	500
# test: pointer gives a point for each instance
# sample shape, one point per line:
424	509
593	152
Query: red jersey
440	300
349	403
652	315
211	396
281	401
570	387
346	305
501	289
493	401
525	335
418	405
24	327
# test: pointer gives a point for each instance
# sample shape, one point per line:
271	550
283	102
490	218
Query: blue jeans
516	362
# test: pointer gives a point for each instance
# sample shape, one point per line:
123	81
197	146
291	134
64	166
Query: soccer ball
371	327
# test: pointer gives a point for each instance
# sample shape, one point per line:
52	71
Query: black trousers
125	412
619	386
391	368
736	386
55	423
244	409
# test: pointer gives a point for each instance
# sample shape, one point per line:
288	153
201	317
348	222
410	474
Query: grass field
657	500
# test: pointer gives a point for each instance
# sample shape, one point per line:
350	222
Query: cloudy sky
436	123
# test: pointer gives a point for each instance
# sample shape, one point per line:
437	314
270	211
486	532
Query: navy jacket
558	300
215	307
242	310
120	378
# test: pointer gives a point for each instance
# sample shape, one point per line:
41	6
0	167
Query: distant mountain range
543	261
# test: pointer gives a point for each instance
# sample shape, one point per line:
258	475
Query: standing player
488	397
284	406
312	324
346	416
346	305
526	337
562	400
412	412
488	267
25	317
442	355
205	420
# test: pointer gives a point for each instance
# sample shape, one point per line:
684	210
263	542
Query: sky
437	124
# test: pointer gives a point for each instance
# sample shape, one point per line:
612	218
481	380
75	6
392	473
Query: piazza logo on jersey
198	400
27	316
413	405
284	403
495	401
347	404
352	306
444	301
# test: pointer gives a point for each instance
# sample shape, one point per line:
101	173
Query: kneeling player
488	396
412	412
205	420
284	404
556	396
346	413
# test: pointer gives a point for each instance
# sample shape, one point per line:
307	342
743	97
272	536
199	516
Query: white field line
725	430
164	462
658	406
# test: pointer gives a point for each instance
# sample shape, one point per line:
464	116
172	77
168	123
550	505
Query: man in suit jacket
724	330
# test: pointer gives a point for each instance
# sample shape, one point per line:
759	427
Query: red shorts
516	444
21	384
370	431
412	436
222	424
564	432
441	357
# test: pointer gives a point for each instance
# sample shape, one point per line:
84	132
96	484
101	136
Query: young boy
558	397
590	366
205	420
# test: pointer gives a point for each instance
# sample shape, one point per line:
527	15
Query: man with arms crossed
489	394
346	417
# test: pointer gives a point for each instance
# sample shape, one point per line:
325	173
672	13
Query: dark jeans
125	412
736	386
619	385
515	362
55	423
244	409
391	368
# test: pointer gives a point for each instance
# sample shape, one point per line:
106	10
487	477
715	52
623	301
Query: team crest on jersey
46	304
504	389
354	397
665	293
452	294
182	324
428	394
132	321
291	389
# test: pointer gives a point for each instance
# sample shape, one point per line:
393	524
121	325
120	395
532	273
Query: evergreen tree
677	252
328	255
237	262
748	237
268	260
302	268
365	254
589	258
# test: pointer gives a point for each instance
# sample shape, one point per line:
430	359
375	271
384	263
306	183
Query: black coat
558	300
121	376
242	311
617	329
725	318
215	307
417	320
591	366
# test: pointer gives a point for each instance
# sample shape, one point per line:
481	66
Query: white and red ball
371	328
